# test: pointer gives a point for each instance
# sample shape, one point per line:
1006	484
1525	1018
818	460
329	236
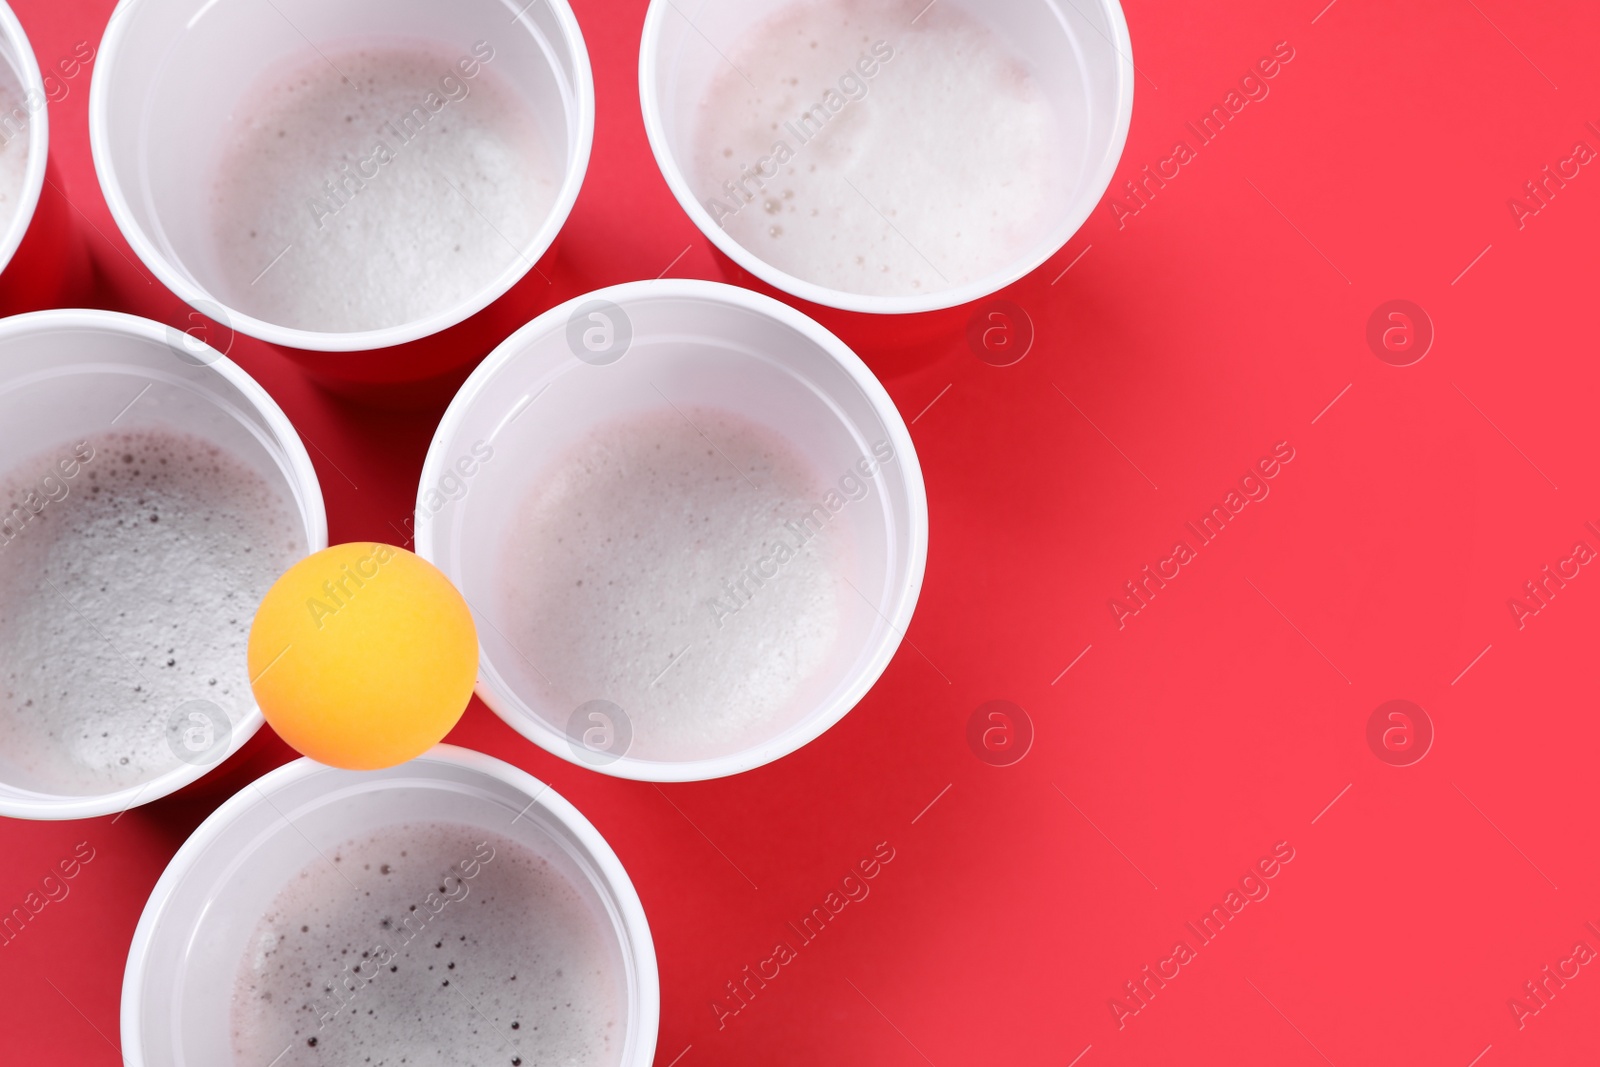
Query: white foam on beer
502	961
126	598
14	121
634	576
469	182
943	172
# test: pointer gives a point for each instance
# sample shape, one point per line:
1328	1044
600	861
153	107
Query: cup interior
177	1000
692	347
1077	53
71	375
175	79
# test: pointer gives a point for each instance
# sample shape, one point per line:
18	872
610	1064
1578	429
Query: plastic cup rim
56	807
216	825
316	340
824	716
843	300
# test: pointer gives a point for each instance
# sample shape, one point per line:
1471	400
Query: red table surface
1175	748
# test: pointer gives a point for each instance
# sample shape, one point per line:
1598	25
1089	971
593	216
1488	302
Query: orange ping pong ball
363	656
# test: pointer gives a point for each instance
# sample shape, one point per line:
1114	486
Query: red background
1227	715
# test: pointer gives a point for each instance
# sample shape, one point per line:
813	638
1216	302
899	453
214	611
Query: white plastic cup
42	253
1078	50
640	347
179	982
67	373
171	75
32	127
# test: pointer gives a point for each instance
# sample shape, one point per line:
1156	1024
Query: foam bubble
14	119
462	183
635	575
938	169
126	598
382	954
